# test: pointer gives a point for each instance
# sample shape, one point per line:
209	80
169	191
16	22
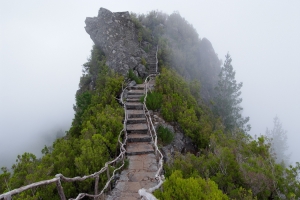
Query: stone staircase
151	62
139	150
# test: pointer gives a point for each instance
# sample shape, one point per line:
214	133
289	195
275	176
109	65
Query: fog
43	45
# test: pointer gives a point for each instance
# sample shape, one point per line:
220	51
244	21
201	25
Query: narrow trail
139	144
139	150
143	162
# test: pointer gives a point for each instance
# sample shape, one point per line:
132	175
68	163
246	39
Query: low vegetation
134	77
229	164
165	135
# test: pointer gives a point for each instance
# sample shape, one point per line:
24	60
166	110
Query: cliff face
115	34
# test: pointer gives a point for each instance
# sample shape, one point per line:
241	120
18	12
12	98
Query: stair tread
136	127
135	112
138	135
133	100
136	148
134	96
134	103
136	91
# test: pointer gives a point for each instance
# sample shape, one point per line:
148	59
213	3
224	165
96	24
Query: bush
153	101
176	187
132	76
143	61
165	135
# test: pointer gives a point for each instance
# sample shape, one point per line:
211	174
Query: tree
278	140
227	100
4	180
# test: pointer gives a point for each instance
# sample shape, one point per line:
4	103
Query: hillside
201	132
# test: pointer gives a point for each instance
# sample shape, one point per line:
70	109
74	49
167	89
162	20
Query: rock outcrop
116	35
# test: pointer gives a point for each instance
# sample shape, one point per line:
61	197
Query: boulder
116	35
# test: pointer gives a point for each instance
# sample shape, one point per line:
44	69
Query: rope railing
147	194
59	177
143	192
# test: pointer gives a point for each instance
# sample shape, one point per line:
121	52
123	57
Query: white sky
43	45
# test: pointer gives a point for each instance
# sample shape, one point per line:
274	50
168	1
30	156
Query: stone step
139	148
137	128
138	87
134	105
133	96
136	92
136	137
133	100
136	120
135	113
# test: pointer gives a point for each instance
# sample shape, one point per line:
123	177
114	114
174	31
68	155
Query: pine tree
278	142
227	101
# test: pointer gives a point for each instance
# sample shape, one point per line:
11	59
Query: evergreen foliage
176	187
165	135
227	101
90	142
181	48
229	163
153	101
278	140
179	105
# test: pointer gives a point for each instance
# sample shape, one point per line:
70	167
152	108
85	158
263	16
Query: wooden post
60	190
7	197
96	186
108	177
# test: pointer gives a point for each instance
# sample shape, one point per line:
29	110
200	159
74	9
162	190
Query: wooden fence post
96	186
60	190
7	197
108	177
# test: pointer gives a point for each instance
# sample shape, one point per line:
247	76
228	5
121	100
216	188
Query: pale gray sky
43	45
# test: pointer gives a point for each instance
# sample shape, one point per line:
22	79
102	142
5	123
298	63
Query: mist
43	46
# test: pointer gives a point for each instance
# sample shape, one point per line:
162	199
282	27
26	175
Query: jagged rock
141	69
132	83
115	34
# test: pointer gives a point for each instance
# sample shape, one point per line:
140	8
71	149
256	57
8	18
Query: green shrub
176	187
165	135
132	76
143	61
153	101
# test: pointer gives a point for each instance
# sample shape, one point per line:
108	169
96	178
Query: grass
132	76
153	101
165	135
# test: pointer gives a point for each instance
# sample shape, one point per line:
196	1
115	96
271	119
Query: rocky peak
116	35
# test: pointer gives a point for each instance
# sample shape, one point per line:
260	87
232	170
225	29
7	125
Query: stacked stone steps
134	105
136	127
136	120
137	137
140	174
151	62
139	148
135	114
